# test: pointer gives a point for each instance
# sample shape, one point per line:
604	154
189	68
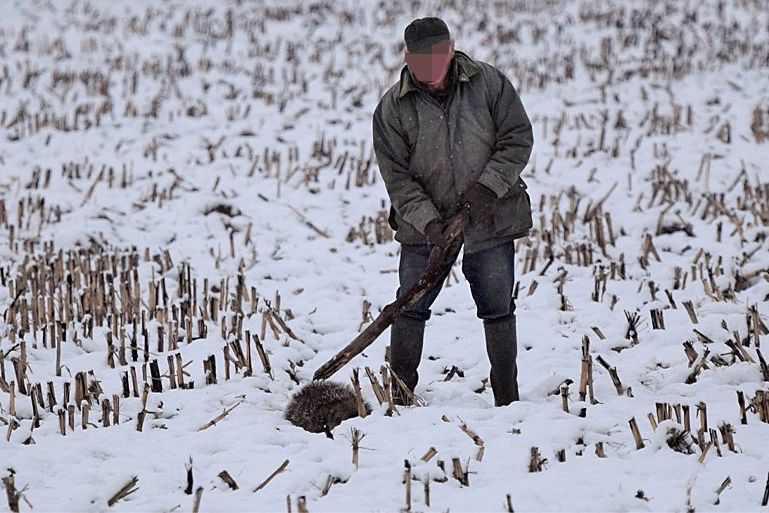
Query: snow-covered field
183	175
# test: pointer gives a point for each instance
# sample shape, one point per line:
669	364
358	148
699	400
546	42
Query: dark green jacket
428	155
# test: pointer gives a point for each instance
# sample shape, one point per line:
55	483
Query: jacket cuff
492	181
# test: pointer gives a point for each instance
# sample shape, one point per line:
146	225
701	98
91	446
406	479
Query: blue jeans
490	273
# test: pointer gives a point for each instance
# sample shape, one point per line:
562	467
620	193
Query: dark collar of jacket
466	68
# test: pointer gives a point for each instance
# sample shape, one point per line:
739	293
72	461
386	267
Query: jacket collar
466	68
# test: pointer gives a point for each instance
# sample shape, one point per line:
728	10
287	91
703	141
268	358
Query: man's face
431	64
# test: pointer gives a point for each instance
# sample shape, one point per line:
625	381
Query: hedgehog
320	406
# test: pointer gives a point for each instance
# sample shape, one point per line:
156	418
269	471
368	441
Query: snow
274	122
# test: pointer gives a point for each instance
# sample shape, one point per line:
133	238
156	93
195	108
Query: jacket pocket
513	214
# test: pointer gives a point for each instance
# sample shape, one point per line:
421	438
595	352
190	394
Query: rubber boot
406	340
501	346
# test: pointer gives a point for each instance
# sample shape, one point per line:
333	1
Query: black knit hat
424	32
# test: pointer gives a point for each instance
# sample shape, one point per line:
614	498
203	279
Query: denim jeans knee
491	275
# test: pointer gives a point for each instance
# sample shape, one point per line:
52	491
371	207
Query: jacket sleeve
514	138
407	195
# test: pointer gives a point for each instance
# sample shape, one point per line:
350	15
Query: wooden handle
435	267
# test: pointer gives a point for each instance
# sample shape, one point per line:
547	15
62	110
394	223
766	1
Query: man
452	134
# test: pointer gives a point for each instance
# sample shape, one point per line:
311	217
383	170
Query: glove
436	232
480	202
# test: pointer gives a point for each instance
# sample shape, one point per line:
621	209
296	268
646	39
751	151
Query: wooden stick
739	350
721	488
663	412
590	212
280	469
12	399
599	450
157	384
58	350
714	440
565	398
689	307
106	408
613	374
62	413
330	480
388	391
670	299
407	480
702	413
658	320
226	351
12	494
652	421
121	351
126	490
633	318
362	413
71	417
190	477
171	371
702	364
586	381
249	368
428	455
727	434
220	416
583	381
51	396
179	371
356	436
284	326
704	452
376	386
473	436
459	474
134	382
196	500
536	462
397	384
435	268
639	443
309	223
762	364
227	478
265	359
691	353
743	412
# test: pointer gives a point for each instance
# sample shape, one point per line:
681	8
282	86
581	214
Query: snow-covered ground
216	157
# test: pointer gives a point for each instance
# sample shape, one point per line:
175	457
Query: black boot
501	346
406	339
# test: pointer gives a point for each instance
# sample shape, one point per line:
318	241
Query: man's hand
480	202
436	232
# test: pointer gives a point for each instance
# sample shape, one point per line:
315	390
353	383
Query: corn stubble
65	298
